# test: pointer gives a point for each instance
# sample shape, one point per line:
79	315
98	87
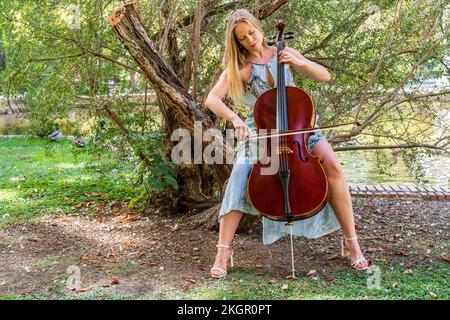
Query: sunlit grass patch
41	177
422	283
9	195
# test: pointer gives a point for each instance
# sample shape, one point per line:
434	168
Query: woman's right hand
241	129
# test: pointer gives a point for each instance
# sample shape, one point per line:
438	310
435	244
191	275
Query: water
14	123
360	167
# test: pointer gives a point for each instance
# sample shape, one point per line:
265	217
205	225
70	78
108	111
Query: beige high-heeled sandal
222	272
346	253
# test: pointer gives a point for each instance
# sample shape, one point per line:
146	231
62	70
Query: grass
122	268
420	283
39	177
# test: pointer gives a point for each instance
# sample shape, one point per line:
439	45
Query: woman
251	68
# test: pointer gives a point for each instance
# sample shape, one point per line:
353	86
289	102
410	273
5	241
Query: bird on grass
80	142
56	135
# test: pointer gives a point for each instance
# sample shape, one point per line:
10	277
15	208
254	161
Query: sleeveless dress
235	197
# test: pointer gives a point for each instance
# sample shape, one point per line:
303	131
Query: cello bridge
285	150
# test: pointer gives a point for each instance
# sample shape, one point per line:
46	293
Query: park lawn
419	283
40	177
42	184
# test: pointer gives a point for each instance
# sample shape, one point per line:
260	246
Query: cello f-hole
303	157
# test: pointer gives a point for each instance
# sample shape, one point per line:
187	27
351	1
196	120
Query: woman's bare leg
227	230
340	199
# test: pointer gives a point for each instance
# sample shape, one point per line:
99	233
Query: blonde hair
235	54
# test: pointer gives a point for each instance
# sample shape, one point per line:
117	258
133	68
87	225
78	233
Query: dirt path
130	254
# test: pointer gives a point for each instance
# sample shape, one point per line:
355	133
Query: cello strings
281	85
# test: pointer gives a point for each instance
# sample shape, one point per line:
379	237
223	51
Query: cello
299	187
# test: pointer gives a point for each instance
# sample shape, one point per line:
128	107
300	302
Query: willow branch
55	58
380	61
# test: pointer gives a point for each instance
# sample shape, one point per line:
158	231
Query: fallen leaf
402	254
431	293
129	245
115	281
81	289
394	285
332	257
192	280
88	260
112	252
98	194
101	204
284	287
273	281
121	212
184	287
129	218
311	272
446	257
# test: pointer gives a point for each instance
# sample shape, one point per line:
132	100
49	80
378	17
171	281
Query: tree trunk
198	182
2	54
175	103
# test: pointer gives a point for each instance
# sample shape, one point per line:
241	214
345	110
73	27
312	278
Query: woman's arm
214	100
299	63
214	103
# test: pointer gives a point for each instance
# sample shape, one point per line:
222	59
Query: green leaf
172	182
155	184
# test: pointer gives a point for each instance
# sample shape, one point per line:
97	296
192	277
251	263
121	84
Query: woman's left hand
288	58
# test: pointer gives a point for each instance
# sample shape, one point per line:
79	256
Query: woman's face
249	37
